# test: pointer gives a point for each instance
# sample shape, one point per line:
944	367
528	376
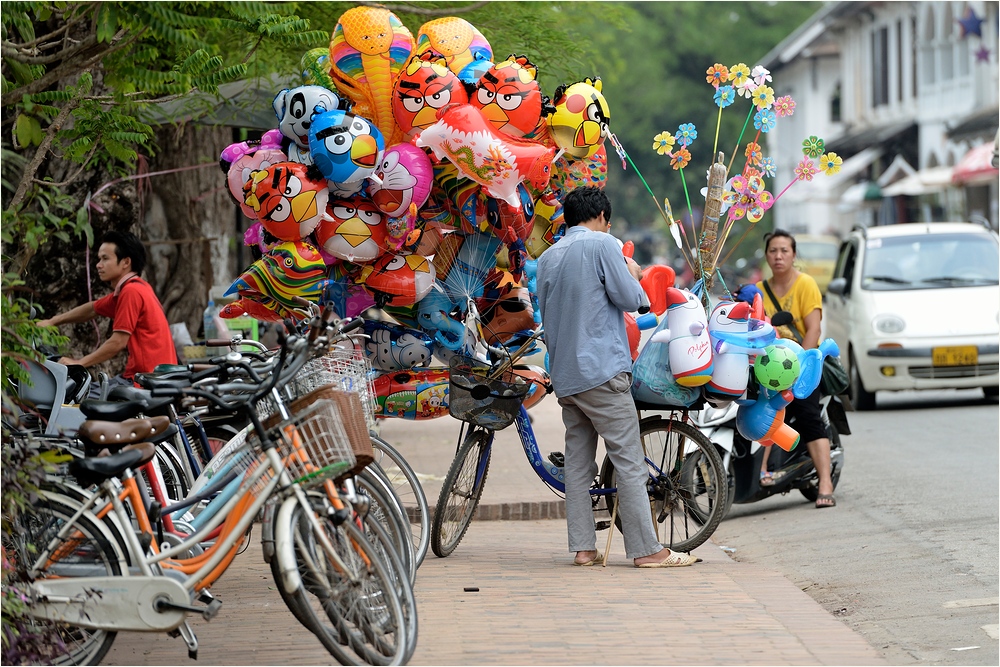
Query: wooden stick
710	222
611	531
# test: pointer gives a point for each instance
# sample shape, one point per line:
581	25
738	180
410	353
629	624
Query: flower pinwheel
784	106
663	143
761	75
686	134
717	74
680	159
762	97
724	96
830	163
739	75
813	147
805	170
768	167
748	198
754	153
764	120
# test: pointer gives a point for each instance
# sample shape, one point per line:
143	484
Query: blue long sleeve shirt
584	288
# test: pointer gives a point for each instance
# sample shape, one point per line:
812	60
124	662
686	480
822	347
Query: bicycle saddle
96	469
116	411
153	406
122	433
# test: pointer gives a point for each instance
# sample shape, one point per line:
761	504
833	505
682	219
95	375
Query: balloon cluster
412	175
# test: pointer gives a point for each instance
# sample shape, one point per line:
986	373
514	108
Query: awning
982	123
925	181
245	103
854	165
856	142
861	192
976	168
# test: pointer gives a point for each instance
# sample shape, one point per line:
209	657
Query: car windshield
812	250
930	261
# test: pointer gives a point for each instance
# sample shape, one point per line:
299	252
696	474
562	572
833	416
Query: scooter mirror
781	318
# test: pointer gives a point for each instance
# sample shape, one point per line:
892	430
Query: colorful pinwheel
805	170
784	106
663	143
686	134
762	97
753	153
680	158
830	163
724	96
813	147
768	167
717	75
764	120
748	198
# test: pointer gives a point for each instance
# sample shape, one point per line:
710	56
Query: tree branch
43	149
76	175
409	9
61	29
64	54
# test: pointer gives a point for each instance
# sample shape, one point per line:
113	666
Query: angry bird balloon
292	269
403	177
398	280
509	96
424	87
287	200
357	231
246	164
547	221
457	40
346	148
295	109
581	120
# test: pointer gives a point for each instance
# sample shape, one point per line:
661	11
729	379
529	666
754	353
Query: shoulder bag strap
777	304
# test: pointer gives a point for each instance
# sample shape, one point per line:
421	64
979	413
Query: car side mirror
837	286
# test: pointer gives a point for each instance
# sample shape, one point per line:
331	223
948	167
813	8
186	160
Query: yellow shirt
802	299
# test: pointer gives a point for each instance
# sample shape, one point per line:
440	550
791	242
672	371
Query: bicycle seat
96	469
116	411
153	406
122	433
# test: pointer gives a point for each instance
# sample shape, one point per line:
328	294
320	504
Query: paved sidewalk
533	607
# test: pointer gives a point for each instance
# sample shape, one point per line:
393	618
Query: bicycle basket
313	443
348	370
476	397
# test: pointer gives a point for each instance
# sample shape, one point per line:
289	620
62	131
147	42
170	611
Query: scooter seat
122	433
153	406
96	469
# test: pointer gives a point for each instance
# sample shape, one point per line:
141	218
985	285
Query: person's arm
110	348
82	313
621	279
811	337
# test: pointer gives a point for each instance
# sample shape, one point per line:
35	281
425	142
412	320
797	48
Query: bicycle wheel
687	485
383	543
461	491
384	509
85	552
410	492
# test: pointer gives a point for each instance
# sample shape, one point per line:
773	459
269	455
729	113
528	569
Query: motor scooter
50	400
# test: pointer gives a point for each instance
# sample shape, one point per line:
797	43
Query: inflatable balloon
243	166
498	163
422	89
776	368
346	148
633	335
368	49
474	71
355	232
398	280
730	372
570	173
580	122
315	68
295	109
687	339
287	200
763	420
810	364
509	96
292	269
457	40
260	308
415	395
348	298
509	223
652	379
544	226
391	347
655	281
461	196
508	316
269	140
403	177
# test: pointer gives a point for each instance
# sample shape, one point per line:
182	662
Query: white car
917	306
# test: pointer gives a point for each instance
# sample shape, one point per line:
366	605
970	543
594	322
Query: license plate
965	355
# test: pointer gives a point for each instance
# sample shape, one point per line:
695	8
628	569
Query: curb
528	511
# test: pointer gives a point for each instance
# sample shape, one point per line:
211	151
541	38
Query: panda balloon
296	108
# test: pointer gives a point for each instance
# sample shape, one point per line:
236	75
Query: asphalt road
909	557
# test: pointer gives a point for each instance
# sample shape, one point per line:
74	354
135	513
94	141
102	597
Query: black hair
128	245
585	203
779	232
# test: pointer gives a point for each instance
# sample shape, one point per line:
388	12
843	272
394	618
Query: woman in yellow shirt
798	294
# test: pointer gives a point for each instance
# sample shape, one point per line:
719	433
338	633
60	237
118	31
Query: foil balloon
509	223
269	140
474	71
293	269
509	96
497	162
346	148
461	196
368	49
425	86
243	166
260	308
391	347
315	68
348	298
398	280
544	226
403	177
457	40
356	231
509	315
570	173
420	394
295	109
581	120
287	199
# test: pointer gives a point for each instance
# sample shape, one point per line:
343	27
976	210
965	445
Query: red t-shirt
137	312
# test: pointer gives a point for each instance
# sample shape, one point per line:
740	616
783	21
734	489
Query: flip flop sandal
766	479
596	560
825	500
675	559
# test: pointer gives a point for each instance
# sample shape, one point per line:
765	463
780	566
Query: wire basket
313	444
476	397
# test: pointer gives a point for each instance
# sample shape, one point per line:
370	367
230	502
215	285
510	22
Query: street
908	558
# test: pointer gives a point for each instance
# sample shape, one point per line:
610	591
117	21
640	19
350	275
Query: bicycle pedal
206	597
602	525
212	610
193	654
145	541
558	459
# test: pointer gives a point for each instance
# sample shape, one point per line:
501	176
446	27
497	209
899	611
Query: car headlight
888	324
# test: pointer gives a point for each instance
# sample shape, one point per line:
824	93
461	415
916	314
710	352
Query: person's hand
45	323
69	361
634	268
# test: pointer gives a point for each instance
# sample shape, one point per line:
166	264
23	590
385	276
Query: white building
903	92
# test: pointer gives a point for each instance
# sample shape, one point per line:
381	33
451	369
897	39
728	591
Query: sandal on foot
596	560
825	500
766	478
675	559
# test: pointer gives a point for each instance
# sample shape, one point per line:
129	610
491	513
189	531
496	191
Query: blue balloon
346	148
391	347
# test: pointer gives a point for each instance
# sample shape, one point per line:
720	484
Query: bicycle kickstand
190	639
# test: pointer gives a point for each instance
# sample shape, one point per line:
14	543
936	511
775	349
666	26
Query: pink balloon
239	173
404	177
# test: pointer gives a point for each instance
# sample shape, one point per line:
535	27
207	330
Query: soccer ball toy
777	368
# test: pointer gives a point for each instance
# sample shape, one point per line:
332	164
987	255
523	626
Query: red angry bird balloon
425	86
398	280
287	201
356	232
510	97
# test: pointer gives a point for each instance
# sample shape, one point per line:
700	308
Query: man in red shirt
138	320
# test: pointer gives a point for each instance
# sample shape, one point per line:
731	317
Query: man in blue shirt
585	285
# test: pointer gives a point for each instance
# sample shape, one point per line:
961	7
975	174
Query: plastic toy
392	347
763	420
687	339
729	371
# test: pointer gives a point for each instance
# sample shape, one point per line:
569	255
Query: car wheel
861	398
991	393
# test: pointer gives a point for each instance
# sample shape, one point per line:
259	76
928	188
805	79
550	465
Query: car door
839	308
